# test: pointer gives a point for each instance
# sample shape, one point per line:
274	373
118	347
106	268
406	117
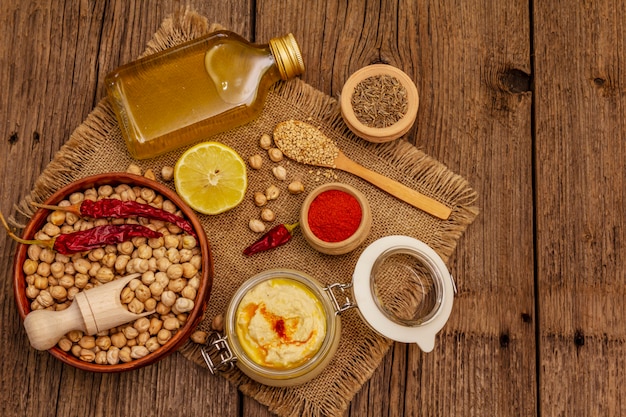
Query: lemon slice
211	178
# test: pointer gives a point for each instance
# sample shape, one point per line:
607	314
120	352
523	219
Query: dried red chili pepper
83	240
276	236
111	207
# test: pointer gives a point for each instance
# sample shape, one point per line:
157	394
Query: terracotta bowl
203	292
344	246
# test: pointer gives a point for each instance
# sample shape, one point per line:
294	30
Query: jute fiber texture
97	147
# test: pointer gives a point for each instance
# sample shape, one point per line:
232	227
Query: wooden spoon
306	144
92	311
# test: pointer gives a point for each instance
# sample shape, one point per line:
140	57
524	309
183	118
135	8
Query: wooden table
524	99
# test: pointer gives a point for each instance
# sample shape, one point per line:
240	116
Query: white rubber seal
423	334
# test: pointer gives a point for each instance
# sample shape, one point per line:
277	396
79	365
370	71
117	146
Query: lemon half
211	178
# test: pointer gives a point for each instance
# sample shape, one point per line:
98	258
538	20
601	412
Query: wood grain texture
580	150
530	110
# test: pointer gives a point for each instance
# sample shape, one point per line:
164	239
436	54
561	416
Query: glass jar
400	287
187	93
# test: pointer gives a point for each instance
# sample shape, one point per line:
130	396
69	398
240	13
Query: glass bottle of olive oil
187	93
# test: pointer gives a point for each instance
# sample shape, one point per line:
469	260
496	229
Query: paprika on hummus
280	323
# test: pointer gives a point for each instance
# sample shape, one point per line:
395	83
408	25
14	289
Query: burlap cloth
97	147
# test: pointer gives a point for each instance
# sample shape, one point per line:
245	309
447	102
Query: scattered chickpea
275	154
272	192
167	173
267	215
265	142
218	323
260	199
295	187
199	337
280	173
256	225
133	169
149	174
255	161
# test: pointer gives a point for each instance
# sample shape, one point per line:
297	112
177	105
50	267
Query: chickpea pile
170	269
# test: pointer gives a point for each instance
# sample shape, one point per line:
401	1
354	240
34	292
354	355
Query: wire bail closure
343	289
217	346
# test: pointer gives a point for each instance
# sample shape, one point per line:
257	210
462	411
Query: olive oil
187	93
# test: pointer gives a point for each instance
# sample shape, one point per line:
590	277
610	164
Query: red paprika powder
334	215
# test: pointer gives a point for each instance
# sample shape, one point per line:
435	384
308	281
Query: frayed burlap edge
433	177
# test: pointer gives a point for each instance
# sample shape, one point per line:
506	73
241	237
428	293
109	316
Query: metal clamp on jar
282	327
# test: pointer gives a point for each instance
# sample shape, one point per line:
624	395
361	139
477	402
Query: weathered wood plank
580	152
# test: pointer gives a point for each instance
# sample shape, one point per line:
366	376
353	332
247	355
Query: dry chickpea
118	339
164	336
183	305
136	306
189	292
105	190
57	269
275	154
105	275
280	173
43	269
58	293
196	261
156	289
256	225
124	354
152	344
51	229
174	271
147	278
265	142
169	206
162	309
82	265
150	304
76	350
295	187
30	266
71	292
199	337
103	342
171	241
121	262
218	323
81	280
113	355
45	299
194	283
87	355
155	326
176	285
185	255
144	251
66	281
32	292
57	218
255	161
267	215
156	243
259	199
41	283
167	173
127	295
168	298
171	323
108	260
142	293
93	271
163	264
87	342
189	271
34	251
142	324
101	358
272	192
47	256
143	338
161	278
130	332
96	254
65	344
125	248
173	255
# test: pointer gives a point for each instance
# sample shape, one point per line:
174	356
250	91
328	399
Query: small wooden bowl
345	246
202	297
375	134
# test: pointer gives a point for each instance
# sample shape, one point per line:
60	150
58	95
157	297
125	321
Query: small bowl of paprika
335	218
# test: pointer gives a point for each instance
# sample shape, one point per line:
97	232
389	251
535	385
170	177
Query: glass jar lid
403	290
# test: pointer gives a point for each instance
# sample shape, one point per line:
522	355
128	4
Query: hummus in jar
280	323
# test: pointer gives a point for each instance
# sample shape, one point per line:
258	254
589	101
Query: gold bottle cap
287	55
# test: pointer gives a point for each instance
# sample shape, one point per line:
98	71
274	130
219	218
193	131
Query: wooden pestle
92	311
